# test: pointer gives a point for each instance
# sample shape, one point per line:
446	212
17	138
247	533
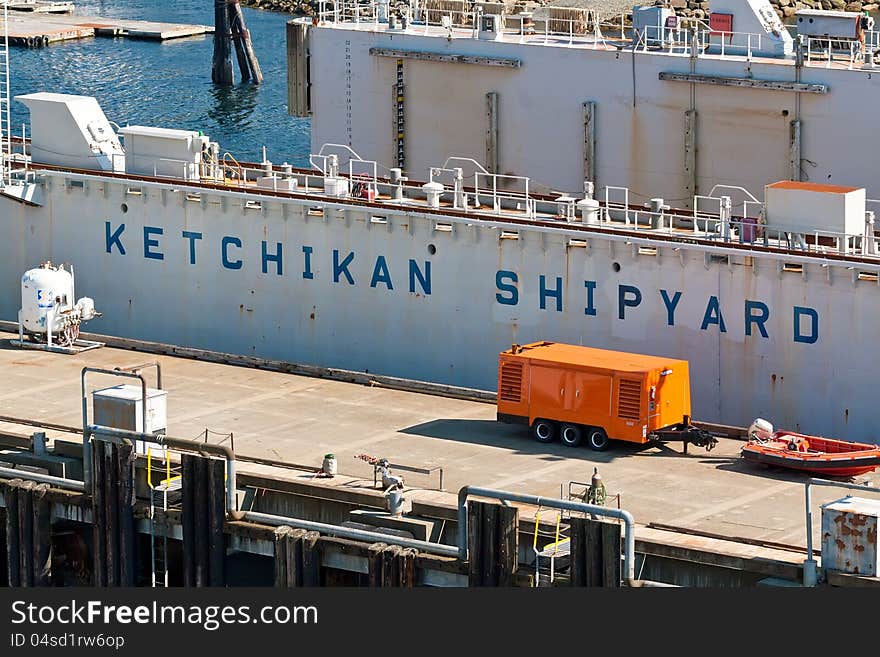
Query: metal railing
688	37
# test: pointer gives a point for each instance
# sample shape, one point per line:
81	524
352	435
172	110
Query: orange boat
825	456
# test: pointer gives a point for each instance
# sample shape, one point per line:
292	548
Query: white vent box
121	407
651	24
801	207
823	23
163	152
849	536
72	131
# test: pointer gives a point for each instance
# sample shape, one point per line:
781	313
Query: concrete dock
699	497
40	29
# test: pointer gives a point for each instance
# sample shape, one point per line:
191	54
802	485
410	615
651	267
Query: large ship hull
396	292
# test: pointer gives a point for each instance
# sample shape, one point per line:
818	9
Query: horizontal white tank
803	207
163	152
46	292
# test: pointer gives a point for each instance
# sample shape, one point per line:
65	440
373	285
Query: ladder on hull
5	121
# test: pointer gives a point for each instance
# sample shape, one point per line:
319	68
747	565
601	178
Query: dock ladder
5	121
169	484
560	548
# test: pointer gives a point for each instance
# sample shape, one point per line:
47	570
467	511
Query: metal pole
185	444
55	482
629	523
87	448
348	532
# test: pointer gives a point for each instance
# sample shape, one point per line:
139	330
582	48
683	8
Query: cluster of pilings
231	32
300	558
204	514
28	534
113	514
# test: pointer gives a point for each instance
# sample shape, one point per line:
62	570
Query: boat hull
436	298
851	468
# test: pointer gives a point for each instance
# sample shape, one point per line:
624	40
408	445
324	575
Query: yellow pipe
149	467
556	545
537	523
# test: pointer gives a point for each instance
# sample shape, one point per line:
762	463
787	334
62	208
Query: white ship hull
393	292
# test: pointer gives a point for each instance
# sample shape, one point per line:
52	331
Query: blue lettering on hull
235	255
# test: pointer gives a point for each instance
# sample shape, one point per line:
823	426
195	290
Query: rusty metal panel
849	536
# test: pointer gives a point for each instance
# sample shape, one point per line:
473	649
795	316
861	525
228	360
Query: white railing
492	185
588	31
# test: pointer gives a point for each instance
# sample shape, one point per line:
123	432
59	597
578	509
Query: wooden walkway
39	29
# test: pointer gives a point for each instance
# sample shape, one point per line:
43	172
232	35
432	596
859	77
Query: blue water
169	84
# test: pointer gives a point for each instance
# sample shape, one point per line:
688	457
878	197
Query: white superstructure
668	112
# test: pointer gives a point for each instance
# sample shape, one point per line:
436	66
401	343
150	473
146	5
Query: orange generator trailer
577	393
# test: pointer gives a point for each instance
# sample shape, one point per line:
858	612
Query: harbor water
169	83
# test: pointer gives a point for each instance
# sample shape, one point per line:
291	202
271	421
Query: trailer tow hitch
687	433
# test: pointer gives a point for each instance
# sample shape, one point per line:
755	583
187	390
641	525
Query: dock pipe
503	496
183	444
136	369
351	533
810	563
55	482
87	447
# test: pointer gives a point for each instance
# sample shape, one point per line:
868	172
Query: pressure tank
46	293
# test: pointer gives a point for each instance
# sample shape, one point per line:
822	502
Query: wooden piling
4	565
42	538
294	556
280	545
188	483
406	569
221	67
311	559
99	545
124	462
216	539
610	555
200	534
26	533
391	565
13	555
374	564
241	36
492	544
595	553
111	504
237	41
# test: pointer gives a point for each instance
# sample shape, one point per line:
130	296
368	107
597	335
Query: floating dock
40	7
40	29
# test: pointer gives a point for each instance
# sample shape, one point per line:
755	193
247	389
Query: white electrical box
164	152
654	25
121	407
491	26
849	536
801	207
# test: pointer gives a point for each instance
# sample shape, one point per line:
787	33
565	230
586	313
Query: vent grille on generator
511	382
629	394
